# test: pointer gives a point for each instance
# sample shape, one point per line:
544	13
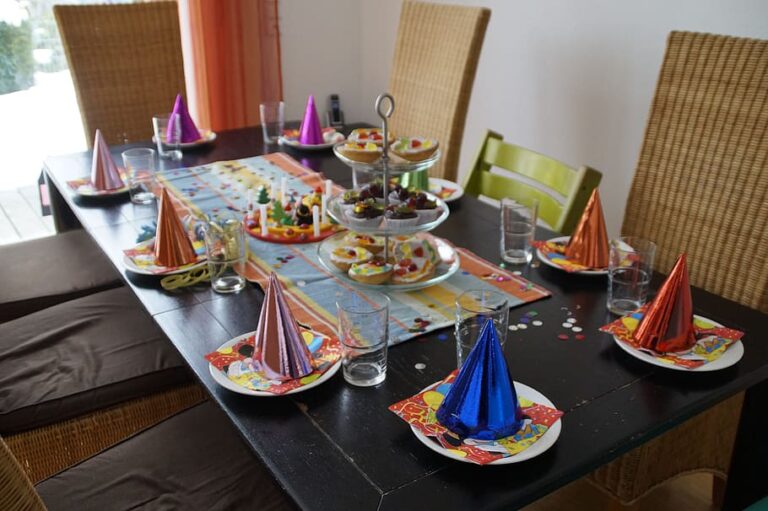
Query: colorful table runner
312	291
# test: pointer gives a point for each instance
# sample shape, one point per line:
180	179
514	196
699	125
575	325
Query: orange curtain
232	59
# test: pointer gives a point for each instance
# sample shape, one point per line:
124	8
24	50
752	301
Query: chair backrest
539	176
126	64
436	55
16	491
701	184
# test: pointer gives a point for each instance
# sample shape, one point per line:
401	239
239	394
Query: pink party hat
189	132
104	173
279	345
310	132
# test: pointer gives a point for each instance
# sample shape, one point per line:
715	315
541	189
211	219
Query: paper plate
731	356
293	142
446	190
133	267
85	189
208	136
546	441
544	259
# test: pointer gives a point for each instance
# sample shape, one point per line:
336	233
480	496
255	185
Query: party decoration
189	132
279	347
104	173
172	244
482	402
667	325
310	132
588	245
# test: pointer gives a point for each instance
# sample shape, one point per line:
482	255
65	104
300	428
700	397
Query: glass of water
227	253
630	266
364	334
272	120
168	136
518	225
140	167
473	309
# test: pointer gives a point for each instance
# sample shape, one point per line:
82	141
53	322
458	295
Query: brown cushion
80	356
39	273
194	460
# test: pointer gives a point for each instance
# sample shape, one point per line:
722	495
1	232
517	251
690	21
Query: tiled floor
21	217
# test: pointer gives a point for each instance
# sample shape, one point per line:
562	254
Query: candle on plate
324	208
263	219
328	187
284	190
273	194
316	220
249	205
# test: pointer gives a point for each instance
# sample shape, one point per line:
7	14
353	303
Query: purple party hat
189	132
310	132
482	402
279	345
104	173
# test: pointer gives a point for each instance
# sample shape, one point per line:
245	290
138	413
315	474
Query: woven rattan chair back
701	184
126	65
16	492
436	55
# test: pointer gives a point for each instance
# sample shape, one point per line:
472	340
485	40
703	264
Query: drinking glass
168	140
226	251
518	224
272	120
473	309
630	265
140	166
364	333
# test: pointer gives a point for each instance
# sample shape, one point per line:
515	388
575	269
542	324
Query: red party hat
667	325
279	345
588	245
104	173
189	132
310	132
172	245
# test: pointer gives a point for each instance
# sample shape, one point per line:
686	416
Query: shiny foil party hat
104	172
482	402
189	132
667	325
588	245
279	346
172	245
310	132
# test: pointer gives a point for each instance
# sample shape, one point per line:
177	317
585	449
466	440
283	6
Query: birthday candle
283	190
249	205
316	220
273	195
324	208
263	219
328	188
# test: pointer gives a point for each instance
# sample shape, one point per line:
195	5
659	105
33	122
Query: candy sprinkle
567	325
576	329
420	366
562	337
513	328
571	320
580	337
522	326
537	323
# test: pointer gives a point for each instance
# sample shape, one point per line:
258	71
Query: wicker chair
701	187
436	55
126	65
16	491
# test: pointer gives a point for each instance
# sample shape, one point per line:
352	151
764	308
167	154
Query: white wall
573	80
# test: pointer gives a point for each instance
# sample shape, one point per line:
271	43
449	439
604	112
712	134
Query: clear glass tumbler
630	265
227	255
140	166
518	225
168	140
272	120
364	333
473	309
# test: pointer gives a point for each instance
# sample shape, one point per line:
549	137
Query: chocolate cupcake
366	214
401	217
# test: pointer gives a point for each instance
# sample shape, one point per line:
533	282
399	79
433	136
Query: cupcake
366	214
374	191
408	271
374	244
399	195
373	272
345	256
349	199
425	208
364	153
414	148
365	135
401	217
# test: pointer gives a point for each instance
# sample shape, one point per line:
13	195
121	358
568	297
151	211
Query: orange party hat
279	346
667	325
172	245
588	245
104	173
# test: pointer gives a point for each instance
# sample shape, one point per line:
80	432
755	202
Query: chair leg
718	491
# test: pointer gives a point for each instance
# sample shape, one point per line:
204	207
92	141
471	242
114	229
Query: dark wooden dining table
339	447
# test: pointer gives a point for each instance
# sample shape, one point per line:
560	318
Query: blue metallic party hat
482	402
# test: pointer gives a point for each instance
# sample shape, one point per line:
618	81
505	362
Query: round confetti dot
567	325
571	320
420	366
513	328
517	272
537	323
522	326
562	337
442	337
524	319
576	329
301	283
580	337
502	265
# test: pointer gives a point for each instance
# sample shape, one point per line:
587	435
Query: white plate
222	379
290	142
131	266
90	193
543	258
546	441
731	356
436	184
208	137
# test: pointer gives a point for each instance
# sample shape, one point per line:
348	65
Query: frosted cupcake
372	272
414	148
366	214
401	218
425	208
373	244
345	256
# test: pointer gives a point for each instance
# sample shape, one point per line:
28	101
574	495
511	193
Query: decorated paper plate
141	259
231	366
711	352
446	190
529	442
83	188
207	136
551	253
330	135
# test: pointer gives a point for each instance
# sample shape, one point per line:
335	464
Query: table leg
63	217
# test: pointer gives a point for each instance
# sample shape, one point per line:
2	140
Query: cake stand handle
385	115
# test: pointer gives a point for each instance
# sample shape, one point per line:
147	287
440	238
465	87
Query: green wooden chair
538	173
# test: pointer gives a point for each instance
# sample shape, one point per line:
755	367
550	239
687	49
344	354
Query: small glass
140	166
630	265
227	253
473	309
518	225
364	334
272	120
168	140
